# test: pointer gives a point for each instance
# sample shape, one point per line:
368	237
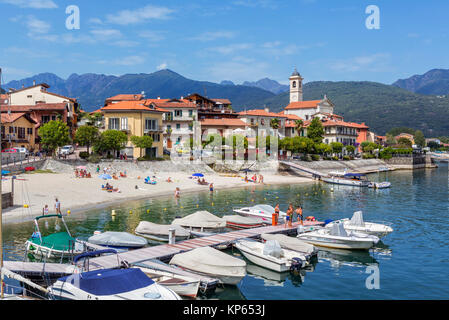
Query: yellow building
136	119
18	130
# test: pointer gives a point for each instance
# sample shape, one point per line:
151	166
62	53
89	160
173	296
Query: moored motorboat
357	224
110	284
119	240
160	232
183	285
213	263
201	223
380	185
239	222
270	255
262	212
54	246
338	237
292	243
348	179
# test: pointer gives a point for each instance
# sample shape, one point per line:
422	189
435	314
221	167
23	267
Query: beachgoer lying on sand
169	180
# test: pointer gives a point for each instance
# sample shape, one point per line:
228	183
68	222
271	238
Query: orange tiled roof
290	116
261	113
303	105
126	97
130	106
170	103
328	123
223	101
39	106
223	122
6	118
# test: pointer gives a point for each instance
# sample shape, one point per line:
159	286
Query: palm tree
298	126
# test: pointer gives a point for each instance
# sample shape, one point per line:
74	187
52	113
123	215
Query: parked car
66	150
22	150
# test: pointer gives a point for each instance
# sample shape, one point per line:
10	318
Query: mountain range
380	106
433	82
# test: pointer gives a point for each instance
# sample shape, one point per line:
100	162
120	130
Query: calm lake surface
412	262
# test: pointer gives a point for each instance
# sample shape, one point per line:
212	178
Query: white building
260	120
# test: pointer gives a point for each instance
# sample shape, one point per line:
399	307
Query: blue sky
234	40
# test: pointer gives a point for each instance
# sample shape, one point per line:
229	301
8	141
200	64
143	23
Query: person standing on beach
177	193
45	210
211	187
58	206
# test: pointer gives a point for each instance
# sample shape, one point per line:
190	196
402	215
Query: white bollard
171	236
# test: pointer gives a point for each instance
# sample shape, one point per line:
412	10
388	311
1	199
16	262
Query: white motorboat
201	222
213	263
182	285
380	185
263	212
160	232
338	237
110	284
294	244
119	240
357	224
348	179
270	255
122	283
236	221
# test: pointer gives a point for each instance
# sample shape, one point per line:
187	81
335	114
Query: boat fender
296	265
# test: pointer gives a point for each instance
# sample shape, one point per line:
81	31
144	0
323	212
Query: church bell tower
296	87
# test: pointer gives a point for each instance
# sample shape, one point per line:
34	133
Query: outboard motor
296	266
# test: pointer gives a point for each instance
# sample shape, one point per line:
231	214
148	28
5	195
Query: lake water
411	263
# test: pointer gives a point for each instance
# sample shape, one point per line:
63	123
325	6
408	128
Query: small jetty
302	170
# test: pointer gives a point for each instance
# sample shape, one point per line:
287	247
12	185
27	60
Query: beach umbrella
4	172
198	175
105	177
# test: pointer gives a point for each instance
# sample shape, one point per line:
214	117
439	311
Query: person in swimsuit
289	216
299	214
177	193
211	187
276	211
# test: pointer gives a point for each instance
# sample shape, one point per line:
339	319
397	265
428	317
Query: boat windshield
263	207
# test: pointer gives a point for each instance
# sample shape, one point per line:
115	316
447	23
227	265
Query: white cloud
35	4
106	33
232	48
36	26
129	61
144	14
95	21
153	36
270	4
210	36
125	43
373	63
162	66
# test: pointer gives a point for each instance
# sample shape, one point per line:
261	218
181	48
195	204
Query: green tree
391	140
143	142
298	126
87	136
303	145
54	134
405	142
397	131
114	140
315	131
350	149
433	145
337	147
419	138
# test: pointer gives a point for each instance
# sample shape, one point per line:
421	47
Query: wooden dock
166	251
47	273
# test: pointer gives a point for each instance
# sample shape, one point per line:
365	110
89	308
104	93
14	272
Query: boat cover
109	281
338	230
211	261
118	239
61	241
272	248
357	219
150	228
290	243
242	220
201	219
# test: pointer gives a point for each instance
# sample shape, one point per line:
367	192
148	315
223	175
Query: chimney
182	97
34	83
267	109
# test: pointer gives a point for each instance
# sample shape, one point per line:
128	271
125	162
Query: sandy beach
80	194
